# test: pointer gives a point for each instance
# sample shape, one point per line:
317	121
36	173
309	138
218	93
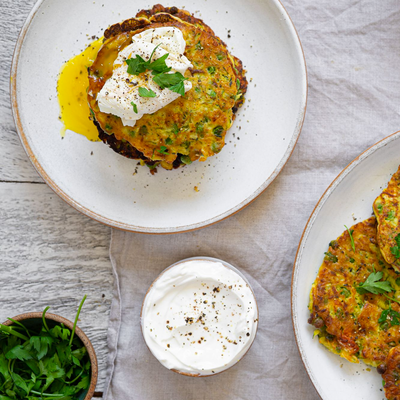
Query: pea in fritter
192	127
387	211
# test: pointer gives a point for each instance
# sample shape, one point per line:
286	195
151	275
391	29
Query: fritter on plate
192	127
387	211
351	322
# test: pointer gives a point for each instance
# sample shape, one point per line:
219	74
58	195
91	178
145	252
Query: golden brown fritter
387	211
347	322
192	127
391	374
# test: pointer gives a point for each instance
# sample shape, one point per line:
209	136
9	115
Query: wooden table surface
50	255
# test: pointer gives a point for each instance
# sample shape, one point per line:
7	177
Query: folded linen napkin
353	52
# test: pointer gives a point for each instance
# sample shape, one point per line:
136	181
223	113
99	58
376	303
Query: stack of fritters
357	324
192	127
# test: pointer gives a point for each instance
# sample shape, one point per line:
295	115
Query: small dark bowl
35	318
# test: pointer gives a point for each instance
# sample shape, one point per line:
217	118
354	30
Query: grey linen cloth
352	50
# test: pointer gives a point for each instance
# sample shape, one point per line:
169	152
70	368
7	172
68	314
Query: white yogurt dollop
121	89
199	317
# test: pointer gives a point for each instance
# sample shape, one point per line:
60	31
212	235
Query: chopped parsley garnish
396	249
218	130
390	315
163	150
374	285
42	363
173	82
159	68
143	92
137	65
220	57
379	207
351	237
134	107
211	70
390	216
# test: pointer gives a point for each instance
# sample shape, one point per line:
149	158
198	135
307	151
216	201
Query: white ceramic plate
103	185
348	200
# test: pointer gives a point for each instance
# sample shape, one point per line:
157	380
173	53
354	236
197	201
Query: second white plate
348	200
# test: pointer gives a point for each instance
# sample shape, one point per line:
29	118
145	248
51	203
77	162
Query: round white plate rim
342	175
132	228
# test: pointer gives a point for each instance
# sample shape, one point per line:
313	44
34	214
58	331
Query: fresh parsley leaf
373	284
173	82
136	65
351	237
159	66
143	92
45	364
134	106
178	88
152	53
18	352
391	315
163	150
395	250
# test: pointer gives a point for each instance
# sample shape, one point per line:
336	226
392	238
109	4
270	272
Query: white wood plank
51	255
14	164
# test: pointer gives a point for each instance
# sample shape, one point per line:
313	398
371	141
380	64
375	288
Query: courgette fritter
190	128
391	374
387	211
356	324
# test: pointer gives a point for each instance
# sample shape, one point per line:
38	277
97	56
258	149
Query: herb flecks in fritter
198	121
387	211
350	294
